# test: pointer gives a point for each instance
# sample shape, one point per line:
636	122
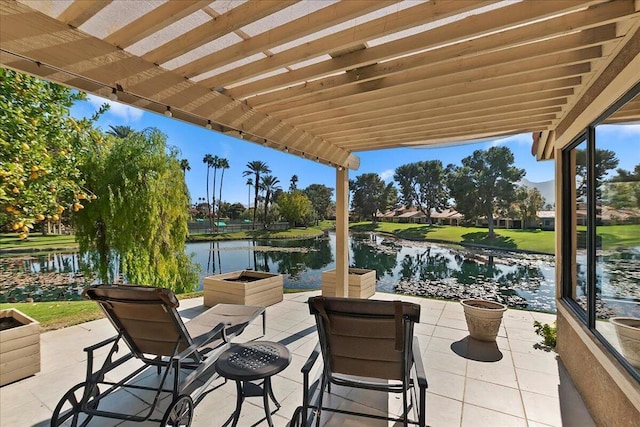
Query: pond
417	268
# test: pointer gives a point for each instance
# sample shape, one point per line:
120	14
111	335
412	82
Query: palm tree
120	131
249	183
256	168
184	165
215	164
207	160
293	183
223	164
269	184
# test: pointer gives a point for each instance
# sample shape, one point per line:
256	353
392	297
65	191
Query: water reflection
418	268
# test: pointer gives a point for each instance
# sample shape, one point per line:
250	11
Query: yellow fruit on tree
55	217
60	209
34	175
25	229
15	226
16	190
34	168
23	235
40	217
25	146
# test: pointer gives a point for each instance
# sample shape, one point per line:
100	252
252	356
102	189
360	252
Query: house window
601	244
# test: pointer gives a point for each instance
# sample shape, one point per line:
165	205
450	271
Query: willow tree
137	226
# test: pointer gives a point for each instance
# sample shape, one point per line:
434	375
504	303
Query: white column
342	232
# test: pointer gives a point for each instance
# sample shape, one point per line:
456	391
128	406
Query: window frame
588	317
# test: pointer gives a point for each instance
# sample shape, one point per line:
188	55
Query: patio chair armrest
218	330
94	347
306	368
418	365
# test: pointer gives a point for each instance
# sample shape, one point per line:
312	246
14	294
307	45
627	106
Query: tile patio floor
509	384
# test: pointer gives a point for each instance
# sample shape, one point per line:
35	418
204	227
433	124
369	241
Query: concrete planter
628	331
243	287
362	283
483	318
19	346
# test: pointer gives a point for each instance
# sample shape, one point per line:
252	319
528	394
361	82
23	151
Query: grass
292	233
37	242
60	314
530	240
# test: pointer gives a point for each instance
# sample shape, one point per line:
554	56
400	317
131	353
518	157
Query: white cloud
121	111
521	138
387	174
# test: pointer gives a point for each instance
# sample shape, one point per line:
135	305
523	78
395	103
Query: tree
215	164
293	183
369	195
236	210
208	160
256	168
627	183
40	178
605	161
320	196
527	202
222	164
137	226
249	184
423	185
184	165
269	185
120	131
485	182
295	206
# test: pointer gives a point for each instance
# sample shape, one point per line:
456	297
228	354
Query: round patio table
253	361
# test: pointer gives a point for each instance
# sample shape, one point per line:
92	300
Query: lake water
419	268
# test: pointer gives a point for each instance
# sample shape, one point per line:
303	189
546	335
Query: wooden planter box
362	283
243	287
19	347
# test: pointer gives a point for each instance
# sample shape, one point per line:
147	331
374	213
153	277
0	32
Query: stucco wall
592	369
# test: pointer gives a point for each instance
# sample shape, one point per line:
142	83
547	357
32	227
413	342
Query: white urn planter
483	318
19	346
628	331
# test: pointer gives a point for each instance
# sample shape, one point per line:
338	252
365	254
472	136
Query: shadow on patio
470	383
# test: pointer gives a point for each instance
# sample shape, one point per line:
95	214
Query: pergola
326	79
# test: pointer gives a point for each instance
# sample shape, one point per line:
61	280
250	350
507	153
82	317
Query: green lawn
37	241
531	240
58	314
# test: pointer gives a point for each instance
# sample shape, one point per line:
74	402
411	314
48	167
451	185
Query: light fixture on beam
241	136
286	149
208	125
168	112
264	143
339	168
113	95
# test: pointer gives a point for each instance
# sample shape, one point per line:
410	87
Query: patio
470	383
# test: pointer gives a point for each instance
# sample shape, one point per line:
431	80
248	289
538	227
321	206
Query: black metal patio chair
146	319
363	342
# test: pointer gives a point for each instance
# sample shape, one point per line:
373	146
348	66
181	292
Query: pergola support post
342	232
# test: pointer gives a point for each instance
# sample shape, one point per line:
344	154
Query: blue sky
194	142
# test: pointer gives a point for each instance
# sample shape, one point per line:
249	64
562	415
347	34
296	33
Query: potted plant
483	318
628	332
362	283
19	346
245	287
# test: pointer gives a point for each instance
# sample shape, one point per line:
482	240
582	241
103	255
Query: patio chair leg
323	384
405	409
